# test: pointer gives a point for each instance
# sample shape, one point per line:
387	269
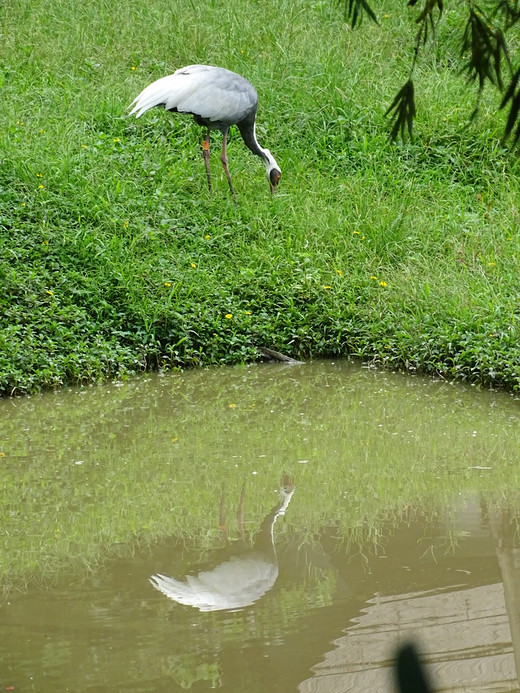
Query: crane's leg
224	159
240	511
205	154
223	523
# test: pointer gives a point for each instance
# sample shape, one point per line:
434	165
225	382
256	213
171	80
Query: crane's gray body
217	98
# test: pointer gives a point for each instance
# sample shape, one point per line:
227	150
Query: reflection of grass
84	473
115	259
187	669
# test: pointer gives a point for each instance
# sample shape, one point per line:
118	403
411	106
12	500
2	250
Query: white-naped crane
246	575
216	98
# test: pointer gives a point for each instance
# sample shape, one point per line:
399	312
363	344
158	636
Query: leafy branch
483	52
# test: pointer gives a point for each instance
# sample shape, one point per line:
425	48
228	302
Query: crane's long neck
247	130
264	540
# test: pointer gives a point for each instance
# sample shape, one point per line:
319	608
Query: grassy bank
114	257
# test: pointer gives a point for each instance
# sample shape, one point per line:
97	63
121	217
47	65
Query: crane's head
272	169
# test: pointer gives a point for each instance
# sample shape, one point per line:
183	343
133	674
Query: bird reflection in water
245	576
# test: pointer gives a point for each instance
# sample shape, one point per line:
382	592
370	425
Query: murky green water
269	528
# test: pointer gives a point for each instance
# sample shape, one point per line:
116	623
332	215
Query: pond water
264	528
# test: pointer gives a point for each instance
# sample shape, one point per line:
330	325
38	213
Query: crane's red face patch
274	178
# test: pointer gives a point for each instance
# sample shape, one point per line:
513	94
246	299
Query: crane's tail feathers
162	92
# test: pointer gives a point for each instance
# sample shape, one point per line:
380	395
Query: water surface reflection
242	574
404	522
467	626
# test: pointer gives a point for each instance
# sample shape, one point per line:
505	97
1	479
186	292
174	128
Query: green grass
114	257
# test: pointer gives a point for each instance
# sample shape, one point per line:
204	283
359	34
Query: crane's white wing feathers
231	585
213	93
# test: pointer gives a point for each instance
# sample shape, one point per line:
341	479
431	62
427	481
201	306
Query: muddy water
259	529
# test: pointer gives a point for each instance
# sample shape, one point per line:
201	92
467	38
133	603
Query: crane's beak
274	179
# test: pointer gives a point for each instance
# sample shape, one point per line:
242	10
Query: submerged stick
277	356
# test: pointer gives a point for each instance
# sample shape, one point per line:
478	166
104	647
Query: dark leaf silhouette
354	10
512	97
403	107
509	10
427	20
484	47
